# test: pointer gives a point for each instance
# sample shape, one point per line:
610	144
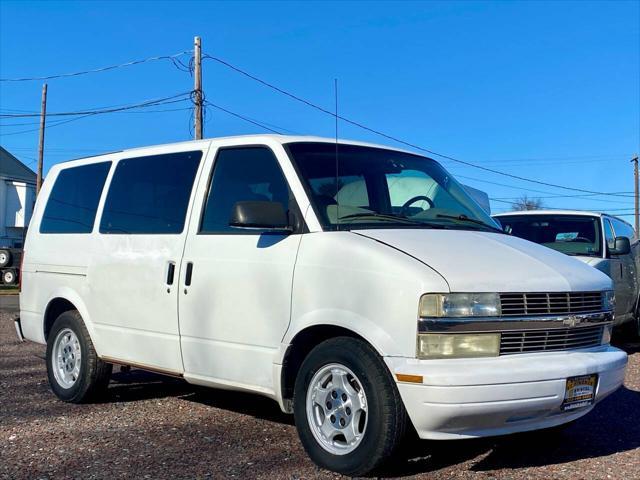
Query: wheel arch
55	308
301	345
62	301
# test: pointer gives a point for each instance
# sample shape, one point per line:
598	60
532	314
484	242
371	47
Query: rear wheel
348	411
75	372
9	277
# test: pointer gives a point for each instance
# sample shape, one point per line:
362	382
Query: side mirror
260	215
622	246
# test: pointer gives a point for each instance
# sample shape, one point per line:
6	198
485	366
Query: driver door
235	298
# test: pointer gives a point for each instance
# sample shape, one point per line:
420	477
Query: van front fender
375	335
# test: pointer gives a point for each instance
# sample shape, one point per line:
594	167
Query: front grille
526	341
552	303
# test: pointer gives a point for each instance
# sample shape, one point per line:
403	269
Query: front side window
622	229
365	187
569	234
73	201
608	234
150	195
242	174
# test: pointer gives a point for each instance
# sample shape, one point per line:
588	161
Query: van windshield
378	188
569	234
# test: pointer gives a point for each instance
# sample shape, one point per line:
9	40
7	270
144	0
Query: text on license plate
579	392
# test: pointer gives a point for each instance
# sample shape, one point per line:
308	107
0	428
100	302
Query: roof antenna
335	93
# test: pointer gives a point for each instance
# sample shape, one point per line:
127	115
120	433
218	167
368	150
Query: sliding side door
134	272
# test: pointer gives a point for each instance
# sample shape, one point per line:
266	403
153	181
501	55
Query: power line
242	117
391	137
562	208
173	58
100	110
121	109
615	202
51	125
585	196
563	160
126	112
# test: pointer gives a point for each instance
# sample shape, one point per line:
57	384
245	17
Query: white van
603	241
293	268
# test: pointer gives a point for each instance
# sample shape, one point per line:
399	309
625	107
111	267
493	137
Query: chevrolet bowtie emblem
571	321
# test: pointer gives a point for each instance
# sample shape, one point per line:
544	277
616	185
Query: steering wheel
405	207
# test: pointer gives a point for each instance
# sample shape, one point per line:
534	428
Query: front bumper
465	398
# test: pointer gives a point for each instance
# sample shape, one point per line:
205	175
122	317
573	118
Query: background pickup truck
10	259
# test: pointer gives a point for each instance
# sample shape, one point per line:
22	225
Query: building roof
14	169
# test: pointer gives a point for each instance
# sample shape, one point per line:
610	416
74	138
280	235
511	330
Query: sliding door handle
187	277
171	271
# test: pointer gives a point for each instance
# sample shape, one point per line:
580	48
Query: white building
17	197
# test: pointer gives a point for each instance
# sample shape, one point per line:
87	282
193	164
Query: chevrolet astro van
310	271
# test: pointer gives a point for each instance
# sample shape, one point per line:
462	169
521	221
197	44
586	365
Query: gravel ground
153	427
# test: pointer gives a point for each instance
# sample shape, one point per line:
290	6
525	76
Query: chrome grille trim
530	341
506	324
550	303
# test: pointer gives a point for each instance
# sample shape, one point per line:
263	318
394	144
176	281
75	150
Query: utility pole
43	115
197	88
636	198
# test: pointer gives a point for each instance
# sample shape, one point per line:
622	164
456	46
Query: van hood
473	261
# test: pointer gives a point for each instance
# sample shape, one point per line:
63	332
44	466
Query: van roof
257	138
583	213
550	212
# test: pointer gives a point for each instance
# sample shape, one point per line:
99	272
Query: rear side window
150	195
73	201
242	174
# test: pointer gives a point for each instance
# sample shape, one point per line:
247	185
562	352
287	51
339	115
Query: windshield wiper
463	218
391	218
381	216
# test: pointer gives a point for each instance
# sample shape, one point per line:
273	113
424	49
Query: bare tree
527	203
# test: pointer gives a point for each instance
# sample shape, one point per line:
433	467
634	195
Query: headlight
608	300
458	345
460	305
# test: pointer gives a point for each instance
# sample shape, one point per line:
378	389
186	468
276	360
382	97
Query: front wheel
75	372
347	409
5	257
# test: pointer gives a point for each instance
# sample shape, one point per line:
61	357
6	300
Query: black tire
386	417
9	277
5	257
93	377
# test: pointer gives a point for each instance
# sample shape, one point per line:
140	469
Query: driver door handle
189	273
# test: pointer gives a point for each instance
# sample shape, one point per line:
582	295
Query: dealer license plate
579	392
